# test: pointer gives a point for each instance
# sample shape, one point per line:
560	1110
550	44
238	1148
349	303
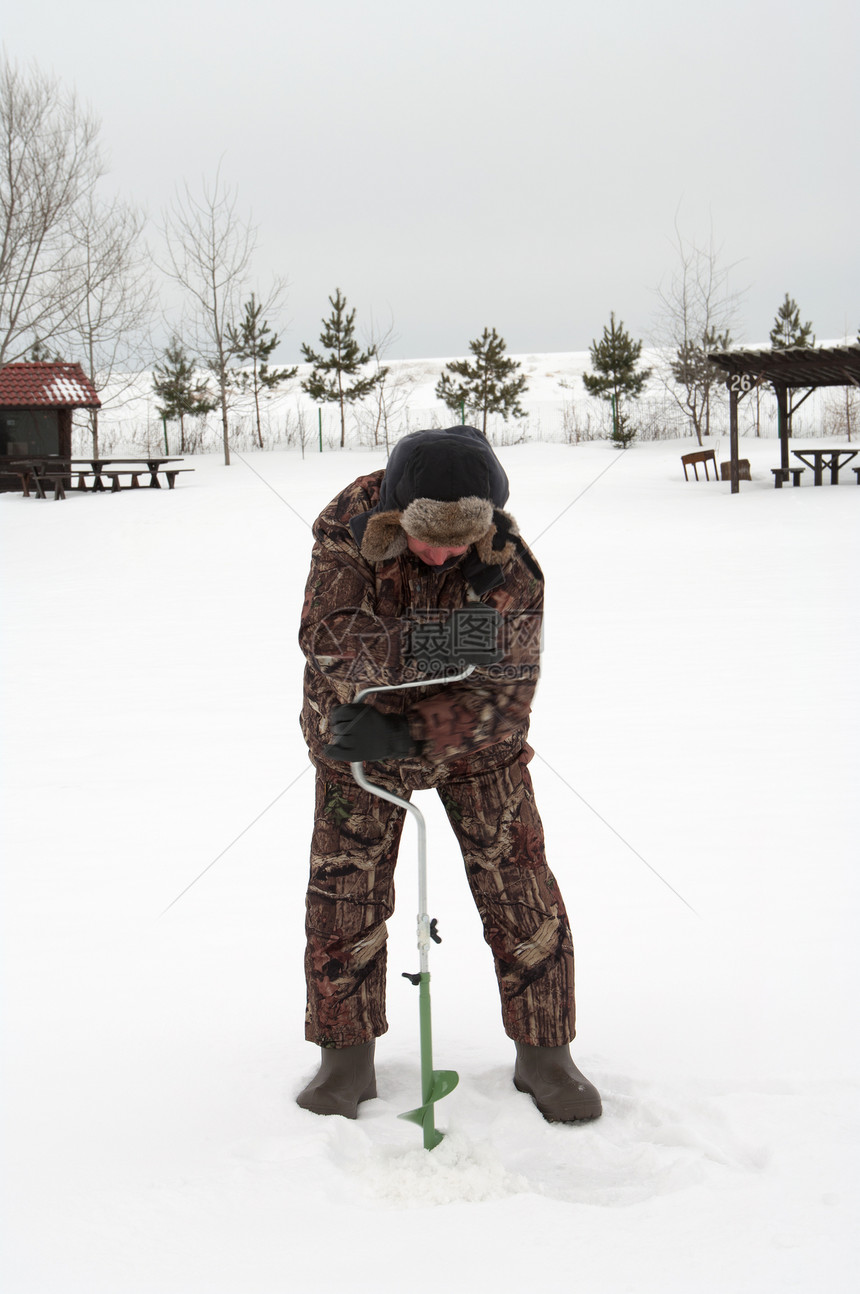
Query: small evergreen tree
39	353
492	384
696	377
614	359
344	360
623	430
787	329
180	394
254	341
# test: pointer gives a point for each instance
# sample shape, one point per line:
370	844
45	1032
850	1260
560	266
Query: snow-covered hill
558	410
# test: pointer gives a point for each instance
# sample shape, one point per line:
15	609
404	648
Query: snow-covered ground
697	770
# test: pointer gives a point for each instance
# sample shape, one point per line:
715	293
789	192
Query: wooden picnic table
821	458
99	467
51	469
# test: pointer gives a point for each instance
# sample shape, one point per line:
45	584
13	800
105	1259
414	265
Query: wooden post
64	444
733	434
782	424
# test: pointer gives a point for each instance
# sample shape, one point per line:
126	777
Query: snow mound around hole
458	1171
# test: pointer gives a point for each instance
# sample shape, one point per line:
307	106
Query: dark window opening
28	432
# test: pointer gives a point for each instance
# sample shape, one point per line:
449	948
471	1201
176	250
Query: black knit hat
445	488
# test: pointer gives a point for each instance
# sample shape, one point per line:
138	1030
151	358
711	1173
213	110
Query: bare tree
697	310
49	165
303	428
110	325
209	252
842	411
387	402
576	425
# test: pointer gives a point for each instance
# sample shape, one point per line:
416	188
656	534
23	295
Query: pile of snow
697	765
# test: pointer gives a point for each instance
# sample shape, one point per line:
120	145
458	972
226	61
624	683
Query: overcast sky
478	163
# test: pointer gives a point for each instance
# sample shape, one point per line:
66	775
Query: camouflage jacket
358	630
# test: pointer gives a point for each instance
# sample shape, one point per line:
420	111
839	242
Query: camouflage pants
351	896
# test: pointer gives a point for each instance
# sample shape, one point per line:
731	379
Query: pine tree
623	430
492	384
787	329
615	379
696	376
180	394
40	354
254	341
344	360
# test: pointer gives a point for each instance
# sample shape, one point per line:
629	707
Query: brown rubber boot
559	1091
346	1077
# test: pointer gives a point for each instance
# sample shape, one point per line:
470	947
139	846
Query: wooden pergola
799	368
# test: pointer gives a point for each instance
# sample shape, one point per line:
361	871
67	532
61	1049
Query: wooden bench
856	471
172	472
33	475
113	477
57	479
743	470
25	476
703	456
35	478
780	474
169	473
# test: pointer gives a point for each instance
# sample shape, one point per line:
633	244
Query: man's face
431	555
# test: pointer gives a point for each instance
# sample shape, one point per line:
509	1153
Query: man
395	554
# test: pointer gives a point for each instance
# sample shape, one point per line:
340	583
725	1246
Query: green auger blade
435	1083
442	1081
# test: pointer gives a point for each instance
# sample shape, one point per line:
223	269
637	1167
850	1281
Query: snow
64	390
697	761
557	406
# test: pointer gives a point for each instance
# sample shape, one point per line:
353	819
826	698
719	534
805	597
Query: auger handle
435	1083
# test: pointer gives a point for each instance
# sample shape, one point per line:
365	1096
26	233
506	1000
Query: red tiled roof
47	386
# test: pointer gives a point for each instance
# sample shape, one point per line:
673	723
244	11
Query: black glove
363	734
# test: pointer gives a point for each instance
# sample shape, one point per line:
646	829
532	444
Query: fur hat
444	488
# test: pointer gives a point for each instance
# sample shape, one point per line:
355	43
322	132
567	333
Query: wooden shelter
36	403
799	368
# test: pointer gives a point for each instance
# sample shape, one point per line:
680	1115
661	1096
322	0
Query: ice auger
467	650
